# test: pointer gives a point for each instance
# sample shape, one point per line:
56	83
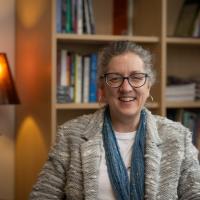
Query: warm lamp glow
8	93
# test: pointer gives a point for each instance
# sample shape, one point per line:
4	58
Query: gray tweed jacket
172	169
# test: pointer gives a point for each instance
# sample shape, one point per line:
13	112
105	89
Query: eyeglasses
116	80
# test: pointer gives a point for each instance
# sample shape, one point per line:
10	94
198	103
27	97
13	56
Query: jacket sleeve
52	178
189	183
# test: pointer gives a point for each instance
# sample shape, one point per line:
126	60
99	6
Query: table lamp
8	94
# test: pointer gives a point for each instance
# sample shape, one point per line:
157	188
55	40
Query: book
64	94
196	31
187	17
180	98
86	78
74	15
63	14
63	68
86	18
78	78
120	17
182	89
58	16
183	92
93	76
91	16
72	76
68	16
79	16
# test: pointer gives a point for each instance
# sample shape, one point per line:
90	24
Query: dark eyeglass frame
105	76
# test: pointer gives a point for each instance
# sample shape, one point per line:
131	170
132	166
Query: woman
121	151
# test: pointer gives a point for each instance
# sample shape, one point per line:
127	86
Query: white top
125	142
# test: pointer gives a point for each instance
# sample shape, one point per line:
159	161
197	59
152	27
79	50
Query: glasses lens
114	80
137	80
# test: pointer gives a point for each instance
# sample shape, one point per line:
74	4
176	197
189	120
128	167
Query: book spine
63	14
86	20
91	16
72	76
58	16
86	78
93	85
68	16
78	79
63	78
74	16
80	16
58	75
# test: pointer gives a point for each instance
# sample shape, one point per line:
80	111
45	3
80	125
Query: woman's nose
126	85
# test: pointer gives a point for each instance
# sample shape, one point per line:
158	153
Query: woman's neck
125	125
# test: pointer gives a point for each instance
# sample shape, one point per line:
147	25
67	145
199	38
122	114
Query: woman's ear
101	95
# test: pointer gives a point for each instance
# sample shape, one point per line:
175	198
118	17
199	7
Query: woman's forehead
127	61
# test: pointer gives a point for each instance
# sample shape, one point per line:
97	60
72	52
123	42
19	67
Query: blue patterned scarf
122	187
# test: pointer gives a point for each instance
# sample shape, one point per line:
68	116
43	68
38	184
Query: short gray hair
121	47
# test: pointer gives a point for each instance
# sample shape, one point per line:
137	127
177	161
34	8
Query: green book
68	16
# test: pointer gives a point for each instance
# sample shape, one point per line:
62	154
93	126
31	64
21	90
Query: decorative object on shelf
130	17
123	17
187	24
8	94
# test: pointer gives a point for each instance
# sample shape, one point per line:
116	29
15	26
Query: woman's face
126	102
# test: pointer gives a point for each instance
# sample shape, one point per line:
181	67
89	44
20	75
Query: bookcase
39	114
153	24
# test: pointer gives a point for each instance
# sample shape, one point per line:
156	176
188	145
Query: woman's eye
117	79
137	77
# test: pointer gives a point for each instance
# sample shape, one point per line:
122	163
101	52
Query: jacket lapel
152	158
91	155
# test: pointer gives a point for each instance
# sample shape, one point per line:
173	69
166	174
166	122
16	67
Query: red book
120	17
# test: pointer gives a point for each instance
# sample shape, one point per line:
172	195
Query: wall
33	75
7	118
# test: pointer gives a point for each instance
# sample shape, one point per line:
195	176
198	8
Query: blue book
58	16
93	77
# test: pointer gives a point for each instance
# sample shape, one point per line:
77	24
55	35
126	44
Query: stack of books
76	77
183	92
179	89
75	16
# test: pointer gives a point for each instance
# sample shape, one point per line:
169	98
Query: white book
180	98
86	78
80	16
184	89
87	17
63	66
78	79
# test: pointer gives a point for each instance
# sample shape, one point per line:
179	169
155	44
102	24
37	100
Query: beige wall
33	75
7	143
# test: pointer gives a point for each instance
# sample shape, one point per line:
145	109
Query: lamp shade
8	94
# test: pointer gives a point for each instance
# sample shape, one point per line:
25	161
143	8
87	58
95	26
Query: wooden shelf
104	38
183	104
183	41
79	106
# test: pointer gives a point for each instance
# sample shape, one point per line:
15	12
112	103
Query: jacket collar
152	157
91	155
